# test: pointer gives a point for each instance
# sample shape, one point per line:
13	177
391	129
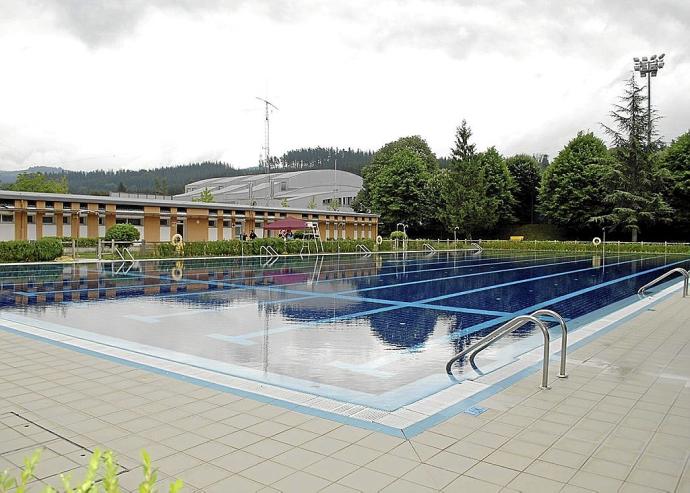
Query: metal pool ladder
679	270
513	325
428	247
363	249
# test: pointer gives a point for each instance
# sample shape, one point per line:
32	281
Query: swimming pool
364	337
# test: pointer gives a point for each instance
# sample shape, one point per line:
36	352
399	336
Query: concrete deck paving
620	422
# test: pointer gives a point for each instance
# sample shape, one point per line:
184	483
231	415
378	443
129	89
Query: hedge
585	246
42	250
82	242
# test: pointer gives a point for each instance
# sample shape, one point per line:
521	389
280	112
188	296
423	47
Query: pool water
373	330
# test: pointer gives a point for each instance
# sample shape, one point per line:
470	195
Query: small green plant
99	462
398	235
42	250
122	232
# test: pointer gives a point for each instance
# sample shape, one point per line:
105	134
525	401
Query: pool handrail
679	270
477	246
513	325
427	246
363	248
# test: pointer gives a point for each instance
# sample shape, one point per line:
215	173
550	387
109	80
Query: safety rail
513	325
270	251
679	270
363	248
121	253
427	246
477	246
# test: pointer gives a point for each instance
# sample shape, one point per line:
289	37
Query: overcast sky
132	83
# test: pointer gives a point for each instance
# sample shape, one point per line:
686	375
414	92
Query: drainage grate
20	437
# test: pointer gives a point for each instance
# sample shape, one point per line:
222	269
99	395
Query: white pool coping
407	416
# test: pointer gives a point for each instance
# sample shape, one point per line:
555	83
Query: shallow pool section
369	332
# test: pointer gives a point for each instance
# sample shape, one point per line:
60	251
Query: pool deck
620	422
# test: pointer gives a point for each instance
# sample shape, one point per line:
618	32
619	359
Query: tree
396	179
499	184
462	150
38	182
634	183
572	187
526	176
160	185
464	202
284	203
675	161
122	232
312	203
205	196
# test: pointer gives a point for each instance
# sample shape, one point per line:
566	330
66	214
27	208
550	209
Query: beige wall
196	222
197	225
152	223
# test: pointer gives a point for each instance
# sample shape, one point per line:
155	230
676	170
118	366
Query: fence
92	248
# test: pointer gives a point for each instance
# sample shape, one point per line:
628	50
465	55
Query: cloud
141	83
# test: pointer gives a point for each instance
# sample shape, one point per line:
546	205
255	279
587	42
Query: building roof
66	197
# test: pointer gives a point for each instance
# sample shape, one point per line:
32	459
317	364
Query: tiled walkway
620	422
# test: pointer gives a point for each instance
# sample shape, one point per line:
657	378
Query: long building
295	189
31	216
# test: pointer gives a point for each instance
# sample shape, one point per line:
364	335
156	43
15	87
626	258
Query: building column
219	225
57	206
74	233
92	221
21	231
40	211
110	216
152	224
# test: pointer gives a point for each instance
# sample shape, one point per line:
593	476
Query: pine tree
463	150
634	198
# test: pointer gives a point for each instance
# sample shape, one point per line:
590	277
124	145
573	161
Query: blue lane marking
521	281
461	276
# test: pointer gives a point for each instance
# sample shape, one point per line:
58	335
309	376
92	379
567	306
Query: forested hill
352	160
166	180
170	180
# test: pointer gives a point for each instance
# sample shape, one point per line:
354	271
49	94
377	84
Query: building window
49	204
66	219
165	222
47	219
227	224
82	219
31	219
212	223
101	220
283	186
6	218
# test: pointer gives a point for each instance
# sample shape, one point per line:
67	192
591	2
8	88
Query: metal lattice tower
267	139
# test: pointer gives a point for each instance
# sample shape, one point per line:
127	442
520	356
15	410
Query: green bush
101	476
82	242
122	232
398	235
585	246
43	250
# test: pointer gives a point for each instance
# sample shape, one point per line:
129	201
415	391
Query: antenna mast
267	141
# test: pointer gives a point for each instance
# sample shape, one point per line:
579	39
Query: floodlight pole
649	67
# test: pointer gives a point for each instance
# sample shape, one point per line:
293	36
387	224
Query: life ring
379	240
176	274
596	241
176	239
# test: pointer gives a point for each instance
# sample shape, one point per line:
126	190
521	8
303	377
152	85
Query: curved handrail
513	325
549	313
429	247
679	270
362	248
477	246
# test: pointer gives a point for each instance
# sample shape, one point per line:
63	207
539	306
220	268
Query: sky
135	84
